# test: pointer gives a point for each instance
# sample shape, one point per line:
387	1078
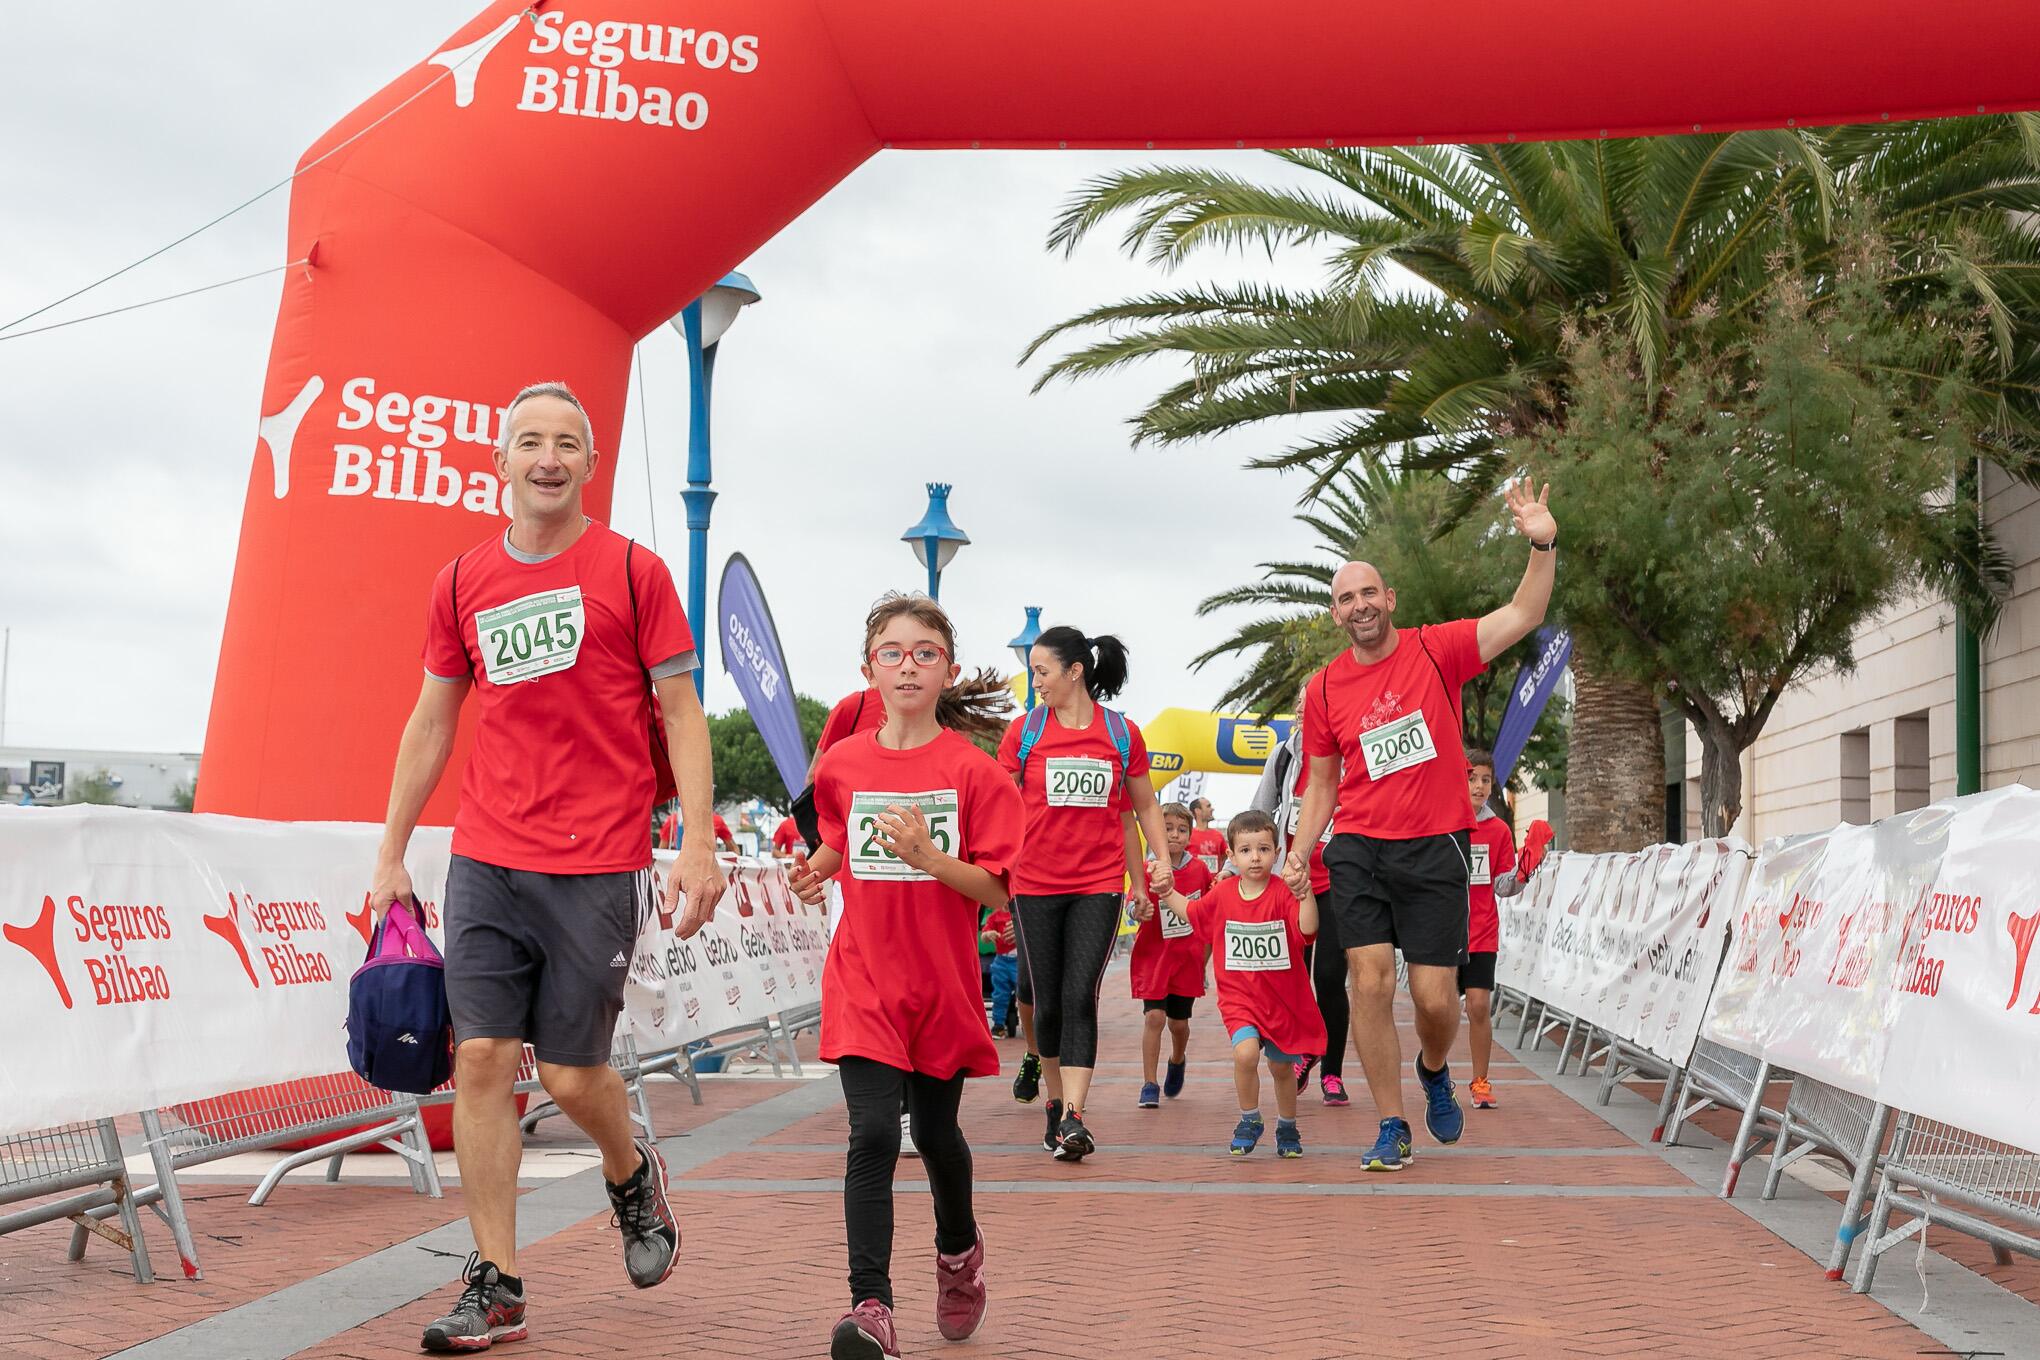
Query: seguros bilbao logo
105	931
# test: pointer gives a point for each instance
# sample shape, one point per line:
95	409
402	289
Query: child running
928	827
997	930
1167	971
1493	854
1256	926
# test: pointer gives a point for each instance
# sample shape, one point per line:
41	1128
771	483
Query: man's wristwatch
1535	546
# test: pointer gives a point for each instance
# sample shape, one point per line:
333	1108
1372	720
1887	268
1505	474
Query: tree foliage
743	767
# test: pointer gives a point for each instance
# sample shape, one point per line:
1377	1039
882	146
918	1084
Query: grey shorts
541	957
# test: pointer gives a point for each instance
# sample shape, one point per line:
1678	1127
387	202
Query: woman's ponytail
1108	675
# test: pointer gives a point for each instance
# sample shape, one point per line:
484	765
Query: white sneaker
907	1148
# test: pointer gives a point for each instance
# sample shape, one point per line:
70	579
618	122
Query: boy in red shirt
997	930
1256	926
1493	855
1167	971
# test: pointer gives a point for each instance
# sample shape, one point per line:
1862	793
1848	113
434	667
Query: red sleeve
786	835
1502	854
1457	647
829	806
446	655
1009	746
662	631
997	822
839	722
1318	737
722	829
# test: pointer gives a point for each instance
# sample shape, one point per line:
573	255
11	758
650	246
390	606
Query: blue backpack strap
1031	728
1122	740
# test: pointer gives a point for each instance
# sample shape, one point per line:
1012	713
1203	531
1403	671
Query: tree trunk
1615	768
1720	779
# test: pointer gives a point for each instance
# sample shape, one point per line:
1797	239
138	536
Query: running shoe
960	1291
1483	1092
486	1313
1391	1148
1245	1135
907	1148
651	1235
1027	1086
1288	1141
1172	1080
1335	1091
1000	1032
1303	1074
1052	1140
865	1333
1150	1096
1442	1115
1076	1141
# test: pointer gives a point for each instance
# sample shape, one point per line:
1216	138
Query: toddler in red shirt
1256	926
997	930
1167	972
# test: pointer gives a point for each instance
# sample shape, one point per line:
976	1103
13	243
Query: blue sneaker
1390	1148
1246	1134
1150	1096
1442	1115
1288	1140
1172	1080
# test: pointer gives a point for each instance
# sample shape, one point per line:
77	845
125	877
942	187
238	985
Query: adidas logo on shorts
619	961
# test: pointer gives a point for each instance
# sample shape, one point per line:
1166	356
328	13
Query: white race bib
1397	746
870	859
1256	946
1174	927
534	636
1480	866
1296	815
1079	781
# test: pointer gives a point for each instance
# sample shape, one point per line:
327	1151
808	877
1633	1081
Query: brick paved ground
1547	1232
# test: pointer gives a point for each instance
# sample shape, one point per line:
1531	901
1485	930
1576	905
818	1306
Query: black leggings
1068	943
873	1092
1328	973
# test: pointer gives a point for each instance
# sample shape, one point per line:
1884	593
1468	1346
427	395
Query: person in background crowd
997	930
920	827
785	839
566	632
670	831
1493	874
1207	842
1079	766
1167	969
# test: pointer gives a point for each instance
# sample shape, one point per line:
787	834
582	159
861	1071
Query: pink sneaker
1335	1091
865	1333
960	1291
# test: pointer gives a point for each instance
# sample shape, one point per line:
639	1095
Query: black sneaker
1027	1086
1076	1141
487	1312
1052	1140
1303	1074
651	1235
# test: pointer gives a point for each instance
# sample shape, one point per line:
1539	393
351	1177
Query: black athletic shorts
541	957
1408	893
1175	1007
1477	974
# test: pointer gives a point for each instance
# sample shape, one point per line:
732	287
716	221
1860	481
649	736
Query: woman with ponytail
1082	770
928	828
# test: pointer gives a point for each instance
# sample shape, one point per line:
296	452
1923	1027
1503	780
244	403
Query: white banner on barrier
1896	961
150	958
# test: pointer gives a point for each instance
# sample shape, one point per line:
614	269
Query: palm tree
1454	277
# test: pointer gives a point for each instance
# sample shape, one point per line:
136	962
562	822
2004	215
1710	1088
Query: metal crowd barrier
1721	1076
1847	1127
1934	1166
771	1039
70	1157
623	1056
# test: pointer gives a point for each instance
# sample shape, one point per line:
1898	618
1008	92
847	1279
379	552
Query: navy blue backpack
399	1031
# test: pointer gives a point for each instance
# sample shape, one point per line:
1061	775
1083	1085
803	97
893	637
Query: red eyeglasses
892	656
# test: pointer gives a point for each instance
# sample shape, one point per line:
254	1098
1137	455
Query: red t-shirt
1395	727
863	711
999	922
1077	844
669	830
901	985
1494	854
1164	963
560	778
1257	964
1209	845
786	837
1320	876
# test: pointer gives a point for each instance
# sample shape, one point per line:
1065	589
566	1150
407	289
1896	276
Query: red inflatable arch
555	182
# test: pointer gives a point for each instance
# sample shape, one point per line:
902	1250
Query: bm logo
1166	762
1241	742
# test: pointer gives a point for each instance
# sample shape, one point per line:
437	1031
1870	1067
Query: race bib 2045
1079	781
1480	866
534	636
1397	745
870	859
1256	946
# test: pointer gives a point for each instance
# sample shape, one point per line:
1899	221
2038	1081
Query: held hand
807	885
697	876
1297	876
391	885
1161	879
904	832
1532	513
1139	907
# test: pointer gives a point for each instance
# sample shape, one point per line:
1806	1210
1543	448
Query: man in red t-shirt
566	632
670	832
1381	730
786	839
1206	841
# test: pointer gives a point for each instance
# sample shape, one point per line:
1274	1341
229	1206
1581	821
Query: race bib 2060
1174	927
1296	815
534	636
870	859
1397	745
1079	781
1256	946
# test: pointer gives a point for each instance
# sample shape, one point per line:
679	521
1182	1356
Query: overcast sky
884	355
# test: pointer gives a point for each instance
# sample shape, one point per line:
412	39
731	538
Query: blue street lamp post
936	538
702	324
1023	647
